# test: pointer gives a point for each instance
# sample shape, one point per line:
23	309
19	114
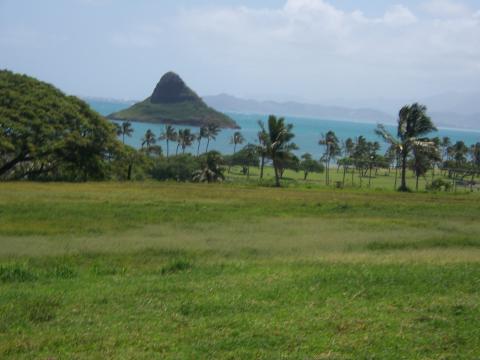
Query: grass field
382	179
165	270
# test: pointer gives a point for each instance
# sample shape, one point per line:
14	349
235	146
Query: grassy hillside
194	113
159	270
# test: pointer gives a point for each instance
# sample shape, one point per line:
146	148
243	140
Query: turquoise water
307	131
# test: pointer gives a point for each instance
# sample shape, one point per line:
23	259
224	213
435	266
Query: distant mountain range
458	117
230	103
447	110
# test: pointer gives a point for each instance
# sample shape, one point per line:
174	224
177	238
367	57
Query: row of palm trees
410	146
183	137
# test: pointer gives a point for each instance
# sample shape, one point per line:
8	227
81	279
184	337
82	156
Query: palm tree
211	169
118	129
212	131
149	139
236	139
262	146
332	150
168	134
278	142
413	124
185	139
125	130
201	135
475	154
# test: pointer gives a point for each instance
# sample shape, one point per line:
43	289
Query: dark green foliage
413	125
40	310
332	151
276	143
211	168
309	165
446	242
12	273
178	168
246	157
439	185
45	134
176	265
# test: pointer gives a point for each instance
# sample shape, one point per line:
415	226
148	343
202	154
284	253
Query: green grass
166	270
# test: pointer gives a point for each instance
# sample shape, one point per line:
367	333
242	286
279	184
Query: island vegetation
173	102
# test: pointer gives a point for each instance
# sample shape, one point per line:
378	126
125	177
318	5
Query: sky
308	50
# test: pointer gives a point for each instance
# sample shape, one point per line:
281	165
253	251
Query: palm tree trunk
403	186
262	165
370	177
208	143
277	176
396	177
129	174
305	174
123	138
176	152
416	183
234	151
198	148
344	174
167	148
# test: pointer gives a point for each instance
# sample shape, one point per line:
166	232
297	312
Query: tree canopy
47	134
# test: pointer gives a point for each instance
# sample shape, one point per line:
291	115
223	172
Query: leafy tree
246	157
211	168
288	161
309	165
211	134
168	134
475	154
413	124
332	150
424	157
460	152
178	167
277	139
129	159
46	134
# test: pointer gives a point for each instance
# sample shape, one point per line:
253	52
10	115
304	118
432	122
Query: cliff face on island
173	102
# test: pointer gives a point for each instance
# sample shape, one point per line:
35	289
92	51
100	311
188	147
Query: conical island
173	102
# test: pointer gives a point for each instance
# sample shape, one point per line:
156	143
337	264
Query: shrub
439	185
179	168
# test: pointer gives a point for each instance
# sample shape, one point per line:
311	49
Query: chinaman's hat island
173	102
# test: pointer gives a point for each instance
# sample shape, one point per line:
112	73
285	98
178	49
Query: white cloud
446	8
399	15
315	48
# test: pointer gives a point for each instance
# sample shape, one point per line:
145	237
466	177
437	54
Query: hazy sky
299	49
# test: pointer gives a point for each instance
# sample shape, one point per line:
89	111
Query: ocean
307	130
